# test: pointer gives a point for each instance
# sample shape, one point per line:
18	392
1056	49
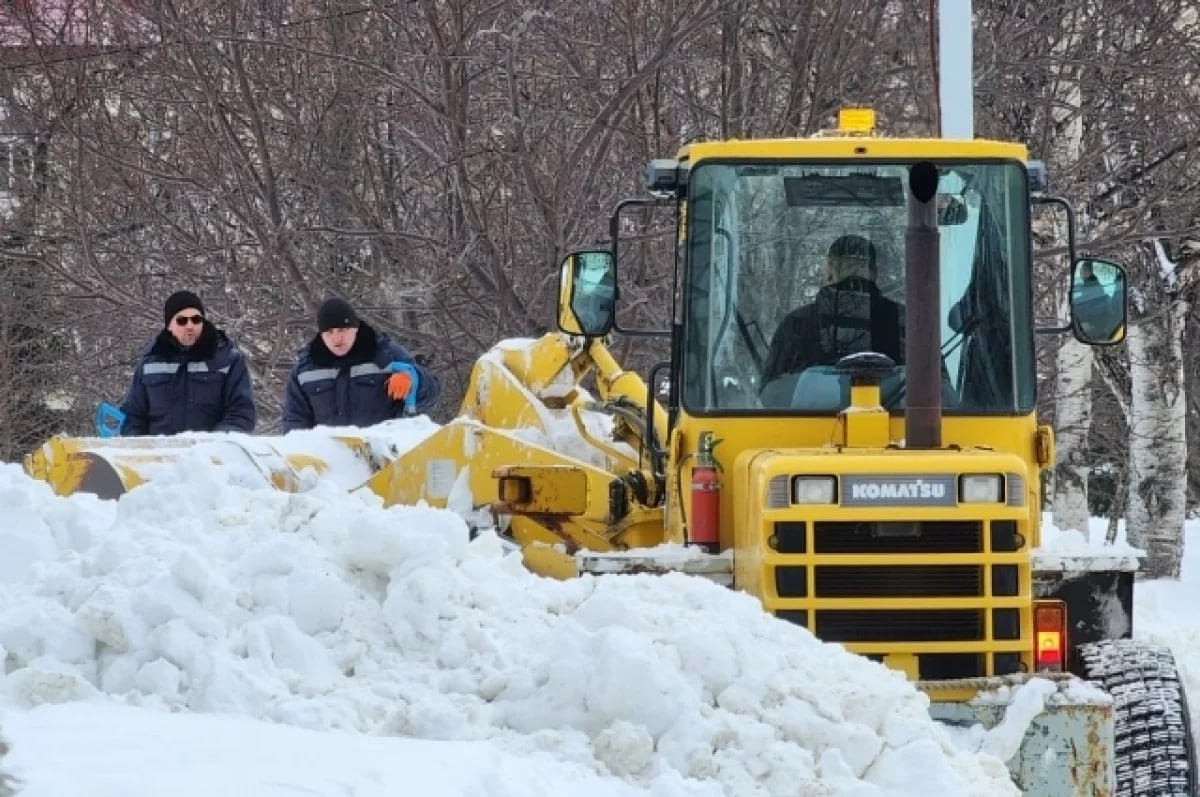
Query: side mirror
587	294
1098	302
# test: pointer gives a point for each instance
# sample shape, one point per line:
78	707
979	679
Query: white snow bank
92	749
324	611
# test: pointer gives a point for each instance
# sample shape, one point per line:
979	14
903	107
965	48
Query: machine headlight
815	490
980	488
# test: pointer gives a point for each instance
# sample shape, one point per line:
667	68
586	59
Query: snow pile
324	611
101	750
348	455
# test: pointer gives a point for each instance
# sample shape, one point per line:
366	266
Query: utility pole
955	69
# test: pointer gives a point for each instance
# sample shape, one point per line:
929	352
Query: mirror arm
1062	202
614	234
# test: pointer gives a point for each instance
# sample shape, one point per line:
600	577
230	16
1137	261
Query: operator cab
769	306
792	256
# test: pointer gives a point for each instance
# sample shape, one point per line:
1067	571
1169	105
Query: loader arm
525	447
522	384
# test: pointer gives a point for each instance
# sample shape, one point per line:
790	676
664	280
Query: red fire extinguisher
706	497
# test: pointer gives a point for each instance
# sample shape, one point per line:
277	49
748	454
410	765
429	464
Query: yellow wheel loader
845	428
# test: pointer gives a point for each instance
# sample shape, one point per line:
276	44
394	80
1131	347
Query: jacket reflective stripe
366	368
316	375
203	368
171	368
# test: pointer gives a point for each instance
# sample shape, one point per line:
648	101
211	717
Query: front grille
791	582
1006	624
870	571
793	616
935	666
934	625
1005	583
1004	536
1005	663
887	537
881	581
789	536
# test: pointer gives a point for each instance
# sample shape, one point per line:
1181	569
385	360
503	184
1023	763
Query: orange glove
398	385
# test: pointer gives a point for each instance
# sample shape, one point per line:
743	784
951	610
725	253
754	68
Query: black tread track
1154	747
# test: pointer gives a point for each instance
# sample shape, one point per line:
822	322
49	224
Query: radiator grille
882	537
939	625
803	574
881	581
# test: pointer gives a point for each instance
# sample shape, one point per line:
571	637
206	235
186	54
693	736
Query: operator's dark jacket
324	390
849	316
202	389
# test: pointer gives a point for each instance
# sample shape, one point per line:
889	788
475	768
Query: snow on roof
1070	550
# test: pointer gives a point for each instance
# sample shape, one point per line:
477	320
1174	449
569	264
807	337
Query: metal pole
956	76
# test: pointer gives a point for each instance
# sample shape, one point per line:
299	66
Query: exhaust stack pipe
922	295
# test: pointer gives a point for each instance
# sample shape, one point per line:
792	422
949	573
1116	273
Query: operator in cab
850	315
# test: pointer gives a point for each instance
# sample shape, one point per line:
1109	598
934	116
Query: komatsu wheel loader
889	504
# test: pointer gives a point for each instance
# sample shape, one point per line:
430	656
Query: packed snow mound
325	611
105	750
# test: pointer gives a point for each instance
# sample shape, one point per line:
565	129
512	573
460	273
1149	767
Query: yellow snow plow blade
556	504
110	467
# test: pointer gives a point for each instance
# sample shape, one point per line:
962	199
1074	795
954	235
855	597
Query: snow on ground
1165	611
205	633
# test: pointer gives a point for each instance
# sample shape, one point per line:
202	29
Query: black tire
1154	749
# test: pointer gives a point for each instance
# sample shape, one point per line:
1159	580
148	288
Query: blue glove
109	420
403	385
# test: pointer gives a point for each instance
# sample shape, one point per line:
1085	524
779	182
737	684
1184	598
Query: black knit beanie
335	314
180	300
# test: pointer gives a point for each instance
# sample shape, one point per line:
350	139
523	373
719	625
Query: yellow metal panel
548	490
110	467
865	427
853	147
756	565
957	646
817	437
550	562
905	663
495	397
471	453
776	602
856	120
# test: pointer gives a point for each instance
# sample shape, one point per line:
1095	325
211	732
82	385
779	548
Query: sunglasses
184	320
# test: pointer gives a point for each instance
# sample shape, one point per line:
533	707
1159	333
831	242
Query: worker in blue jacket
190	378
351	375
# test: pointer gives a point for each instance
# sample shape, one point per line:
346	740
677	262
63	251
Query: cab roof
853	147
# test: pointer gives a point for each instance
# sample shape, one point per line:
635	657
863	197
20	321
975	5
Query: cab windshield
793	266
